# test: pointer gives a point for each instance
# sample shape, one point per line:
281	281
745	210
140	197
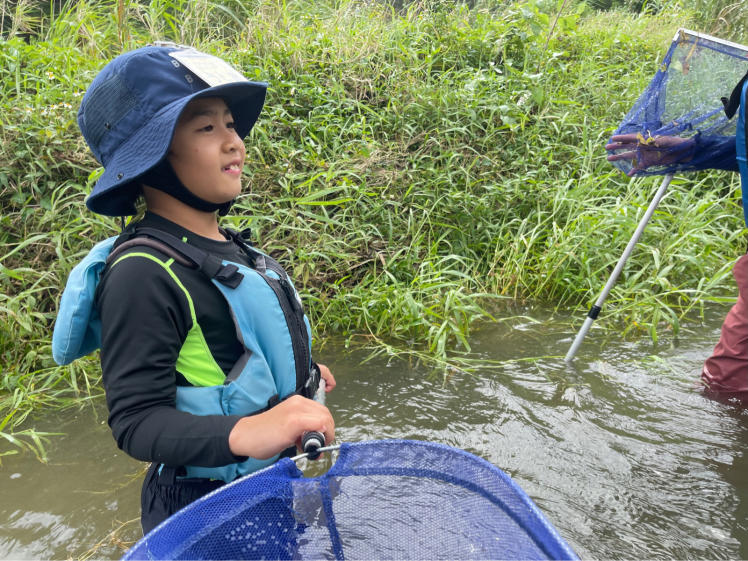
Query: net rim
559	548
698	35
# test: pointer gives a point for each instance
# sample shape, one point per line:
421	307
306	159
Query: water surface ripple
620	450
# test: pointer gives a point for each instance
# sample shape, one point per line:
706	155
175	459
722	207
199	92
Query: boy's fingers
328	377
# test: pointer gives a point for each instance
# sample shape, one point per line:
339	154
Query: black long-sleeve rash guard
145	319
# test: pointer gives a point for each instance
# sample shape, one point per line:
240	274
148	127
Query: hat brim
115	191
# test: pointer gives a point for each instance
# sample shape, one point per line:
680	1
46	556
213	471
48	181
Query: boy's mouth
233	168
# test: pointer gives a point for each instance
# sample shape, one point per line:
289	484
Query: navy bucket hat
129	113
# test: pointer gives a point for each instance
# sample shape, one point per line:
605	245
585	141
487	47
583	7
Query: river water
620	450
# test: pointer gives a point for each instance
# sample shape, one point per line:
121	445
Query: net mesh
683	104
390	499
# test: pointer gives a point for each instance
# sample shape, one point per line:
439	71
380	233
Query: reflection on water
64	508
619	450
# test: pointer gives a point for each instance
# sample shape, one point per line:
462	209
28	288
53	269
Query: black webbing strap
242	240
732	104
154	244
309	388
211	265
258	261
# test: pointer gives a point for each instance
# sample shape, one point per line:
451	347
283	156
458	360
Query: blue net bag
678	123
389	499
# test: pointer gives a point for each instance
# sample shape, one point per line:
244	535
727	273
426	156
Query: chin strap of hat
163	177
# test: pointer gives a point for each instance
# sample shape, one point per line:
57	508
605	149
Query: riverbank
410	168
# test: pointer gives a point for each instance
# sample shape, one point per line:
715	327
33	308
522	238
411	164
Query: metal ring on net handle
318	450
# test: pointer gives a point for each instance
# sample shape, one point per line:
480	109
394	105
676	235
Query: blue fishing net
678	123
389	499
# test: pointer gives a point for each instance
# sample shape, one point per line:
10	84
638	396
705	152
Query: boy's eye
231	125
207	128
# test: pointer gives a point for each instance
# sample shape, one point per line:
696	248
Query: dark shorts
726	371
163	494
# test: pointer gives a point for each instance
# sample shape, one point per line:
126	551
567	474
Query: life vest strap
733	102
183	253
152	243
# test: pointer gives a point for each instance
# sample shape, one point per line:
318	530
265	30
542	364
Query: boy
205	349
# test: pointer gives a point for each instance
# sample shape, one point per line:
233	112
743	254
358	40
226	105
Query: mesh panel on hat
106	106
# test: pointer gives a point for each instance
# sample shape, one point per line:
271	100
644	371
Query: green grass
411	167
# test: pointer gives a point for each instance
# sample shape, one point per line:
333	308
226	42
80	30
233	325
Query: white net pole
595	310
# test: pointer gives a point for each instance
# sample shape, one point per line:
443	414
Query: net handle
313	442
595	309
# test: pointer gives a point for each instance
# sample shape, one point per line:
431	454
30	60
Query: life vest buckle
229	275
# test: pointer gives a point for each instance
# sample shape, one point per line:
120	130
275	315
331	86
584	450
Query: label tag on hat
210	69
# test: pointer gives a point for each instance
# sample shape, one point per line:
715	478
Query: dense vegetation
413	165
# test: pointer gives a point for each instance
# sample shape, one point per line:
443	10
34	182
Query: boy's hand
266	434
327	376
652	151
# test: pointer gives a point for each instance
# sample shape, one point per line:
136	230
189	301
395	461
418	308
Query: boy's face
206	153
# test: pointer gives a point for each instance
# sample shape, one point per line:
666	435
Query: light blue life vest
271	326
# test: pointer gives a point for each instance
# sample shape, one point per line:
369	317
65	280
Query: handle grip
312	440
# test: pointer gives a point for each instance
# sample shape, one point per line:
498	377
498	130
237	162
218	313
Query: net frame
188	534
684	99
666	141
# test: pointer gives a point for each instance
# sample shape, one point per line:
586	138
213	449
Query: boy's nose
233	141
